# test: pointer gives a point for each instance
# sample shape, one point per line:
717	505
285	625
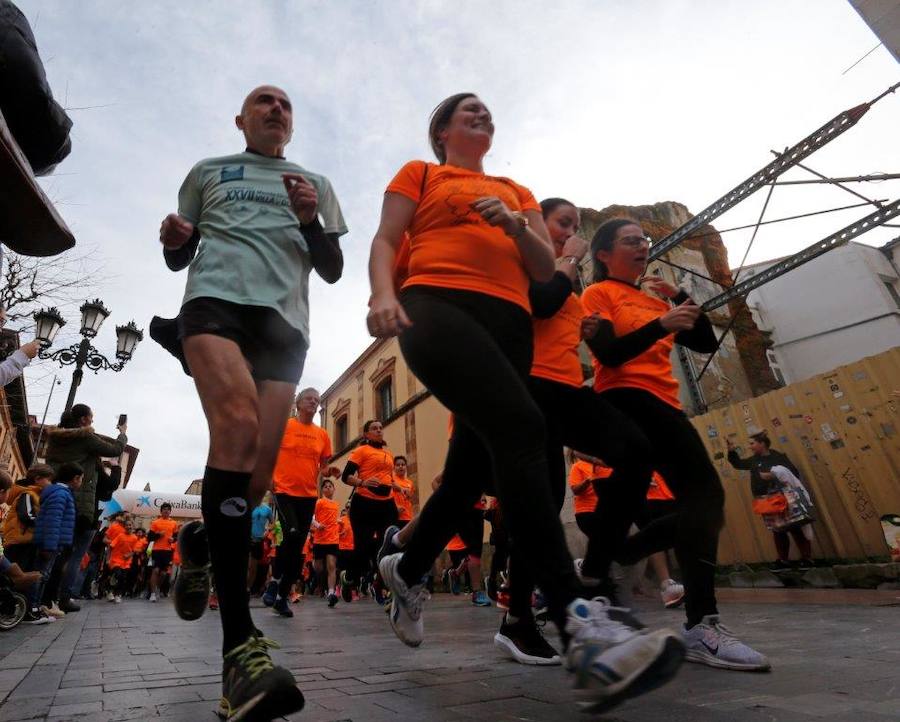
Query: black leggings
474	352
296	513
585	522
582	420
679	455
369	518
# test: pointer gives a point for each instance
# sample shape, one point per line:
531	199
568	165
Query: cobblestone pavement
138	661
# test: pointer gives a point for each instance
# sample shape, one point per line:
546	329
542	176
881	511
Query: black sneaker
780	566
36	616
346	588
387	544
282	608
68	606
191	592
523	642
270	593
255	689
332	600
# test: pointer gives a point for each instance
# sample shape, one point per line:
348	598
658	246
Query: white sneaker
153	597
672	593
118	599
110	597
713	644
407	602
614	657
585	581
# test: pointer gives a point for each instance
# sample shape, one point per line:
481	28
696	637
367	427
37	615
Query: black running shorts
275	350
161	559
320	551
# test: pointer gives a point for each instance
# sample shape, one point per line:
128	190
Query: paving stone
71	710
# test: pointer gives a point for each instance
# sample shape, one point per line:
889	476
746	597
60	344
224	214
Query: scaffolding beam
790	158
854	230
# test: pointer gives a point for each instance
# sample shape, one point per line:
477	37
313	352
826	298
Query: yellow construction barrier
841	429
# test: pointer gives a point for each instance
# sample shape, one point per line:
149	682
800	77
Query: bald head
270	89
266	120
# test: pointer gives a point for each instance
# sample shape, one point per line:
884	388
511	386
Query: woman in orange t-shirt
464	324
370	469
631	333
403	492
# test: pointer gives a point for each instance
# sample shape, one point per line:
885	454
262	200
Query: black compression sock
226	514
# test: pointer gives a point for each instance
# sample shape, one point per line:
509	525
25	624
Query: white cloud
613	102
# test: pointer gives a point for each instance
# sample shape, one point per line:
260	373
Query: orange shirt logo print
459	198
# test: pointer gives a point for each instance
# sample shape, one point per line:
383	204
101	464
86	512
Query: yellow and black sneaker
254	689
192	586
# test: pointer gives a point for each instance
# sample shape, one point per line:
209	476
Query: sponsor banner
147	503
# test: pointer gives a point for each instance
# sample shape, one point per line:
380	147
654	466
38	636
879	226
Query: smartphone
123	419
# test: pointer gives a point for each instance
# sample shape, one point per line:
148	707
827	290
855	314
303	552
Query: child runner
326	536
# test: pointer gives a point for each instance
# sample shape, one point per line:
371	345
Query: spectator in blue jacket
53	533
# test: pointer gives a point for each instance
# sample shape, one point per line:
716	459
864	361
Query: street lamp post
93	314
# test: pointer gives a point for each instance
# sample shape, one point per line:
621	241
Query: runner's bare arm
386	315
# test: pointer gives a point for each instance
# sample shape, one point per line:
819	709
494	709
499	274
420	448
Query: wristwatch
572	260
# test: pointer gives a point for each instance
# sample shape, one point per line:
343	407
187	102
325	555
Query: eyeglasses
634	241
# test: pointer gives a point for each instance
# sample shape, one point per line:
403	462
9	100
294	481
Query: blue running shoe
480	599
270	593
387	545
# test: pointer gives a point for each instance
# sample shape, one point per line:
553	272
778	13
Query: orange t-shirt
141	545
377	464
629	308
304	449
451	246
403	502
659	490
345	534
121	550
113	531
326	513
456	544
166	529
580	472
556	342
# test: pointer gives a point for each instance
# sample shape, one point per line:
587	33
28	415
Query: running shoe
346	588
191	593
37	617
523	641
281	608
614	657
332	600
213	601
780	565
152	597
387	544
713	644
110	597
118	599
255	689
406	602
539	606
480	599
271	592
503	597
672	593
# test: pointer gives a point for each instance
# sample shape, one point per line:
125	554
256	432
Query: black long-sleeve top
755	464
613	351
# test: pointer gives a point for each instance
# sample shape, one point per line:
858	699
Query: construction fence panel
840	429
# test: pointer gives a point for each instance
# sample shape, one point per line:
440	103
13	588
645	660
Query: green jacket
85	447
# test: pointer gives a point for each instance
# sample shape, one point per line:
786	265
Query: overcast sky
628	102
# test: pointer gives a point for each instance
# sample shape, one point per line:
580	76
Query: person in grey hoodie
75	440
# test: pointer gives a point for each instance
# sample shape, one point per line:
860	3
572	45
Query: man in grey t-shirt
250	227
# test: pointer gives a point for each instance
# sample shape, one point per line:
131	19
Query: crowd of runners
481	284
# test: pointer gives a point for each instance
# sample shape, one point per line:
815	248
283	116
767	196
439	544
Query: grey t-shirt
251	249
